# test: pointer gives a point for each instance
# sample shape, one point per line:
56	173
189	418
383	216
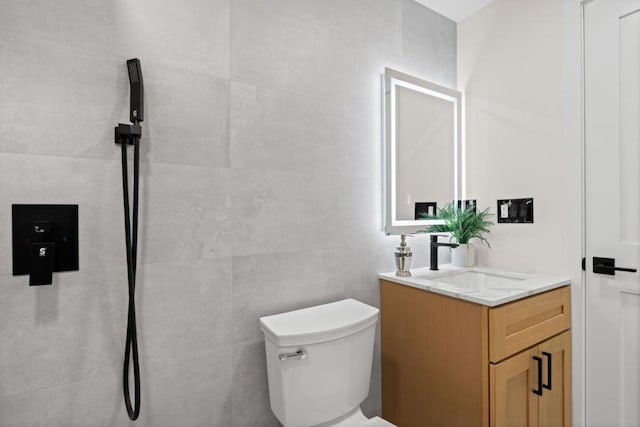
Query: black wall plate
425	208
63	220
516	211
466	204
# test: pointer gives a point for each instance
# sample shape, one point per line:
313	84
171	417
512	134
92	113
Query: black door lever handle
608	266
604	267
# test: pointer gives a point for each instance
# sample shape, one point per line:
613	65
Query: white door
612	155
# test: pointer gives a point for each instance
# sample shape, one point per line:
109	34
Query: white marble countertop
486	286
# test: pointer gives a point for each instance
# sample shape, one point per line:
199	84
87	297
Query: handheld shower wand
130	135
136	110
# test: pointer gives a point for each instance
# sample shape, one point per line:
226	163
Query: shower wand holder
127	133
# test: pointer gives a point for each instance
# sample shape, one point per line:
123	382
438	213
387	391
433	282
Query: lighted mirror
422	127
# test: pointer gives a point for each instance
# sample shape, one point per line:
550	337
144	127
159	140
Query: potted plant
464	225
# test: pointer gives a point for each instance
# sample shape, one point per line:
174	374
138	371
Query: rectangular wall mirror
422	150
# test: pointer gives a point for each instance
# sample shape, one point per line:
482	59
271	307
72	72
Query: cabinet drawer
521	324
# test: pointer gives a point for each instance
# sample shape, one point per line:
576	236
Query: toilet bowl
319	364
357	419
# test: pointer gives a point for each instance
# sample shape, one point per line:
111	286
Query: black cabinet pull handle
538	391
548	384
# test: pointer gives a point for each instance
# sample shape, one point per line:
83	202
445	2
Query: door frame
581	338
575	17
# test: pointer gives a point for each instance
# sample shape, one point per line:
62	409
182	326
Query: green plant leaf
463	224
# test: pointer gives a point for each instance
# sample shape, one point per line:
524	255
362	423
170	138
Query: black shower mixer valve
127	133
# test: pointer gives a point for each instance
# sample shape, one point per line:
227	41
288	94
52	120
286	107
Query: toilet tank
328	369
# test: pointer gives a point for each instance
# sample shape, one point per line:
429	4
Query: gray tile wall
260	191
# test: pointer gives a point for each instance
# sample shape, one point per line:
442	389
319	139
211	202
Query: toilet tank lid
320	323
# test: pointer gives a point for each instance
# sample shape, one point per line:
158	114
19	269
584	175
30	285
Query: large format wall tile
184	210
352	272
185	308
192	35
92	184
76	328
185	213
290	52
281	51
379	23
282	212
60	100
91	402
250	390
61	333
192	391
271	284
186	117
429	39
274	130
372	406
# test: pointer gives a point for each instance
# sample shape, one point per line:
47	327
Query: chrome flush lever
301	354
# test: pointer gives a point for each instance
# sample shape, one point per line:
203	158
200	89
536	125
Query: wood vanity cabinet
450	362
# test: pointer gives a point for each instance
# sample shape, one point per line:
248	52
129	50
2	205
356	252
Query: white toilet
319	364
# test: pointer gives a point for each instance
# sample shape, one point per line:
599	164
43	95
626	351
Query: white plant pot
463	256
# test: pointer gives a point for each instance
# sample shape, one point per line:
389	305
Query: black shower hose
131	239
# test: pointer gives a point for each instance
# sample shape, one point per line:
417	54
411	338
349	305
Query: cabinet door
513	403
555	404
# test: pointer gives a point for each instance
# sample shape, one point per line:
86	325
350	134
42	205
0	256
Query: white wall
519	66
510	67
260	192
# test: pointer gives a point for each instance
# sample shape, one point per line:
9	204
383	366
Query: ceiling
455	10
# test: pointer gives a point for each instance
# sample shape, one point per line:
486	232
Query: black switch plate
466	204
422	210
515	211
62	221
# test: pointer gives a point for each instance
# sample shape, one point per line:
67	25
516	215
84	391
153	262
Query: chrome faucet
434	250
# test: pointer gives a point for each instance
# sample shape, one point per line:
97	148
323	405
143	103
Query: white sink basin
480	280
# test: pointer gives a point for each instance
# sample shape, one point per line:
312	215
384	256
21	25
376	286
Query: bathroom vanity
475	347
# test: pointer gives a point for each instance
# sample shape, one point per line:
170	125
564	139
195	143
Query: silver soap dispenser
403	257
